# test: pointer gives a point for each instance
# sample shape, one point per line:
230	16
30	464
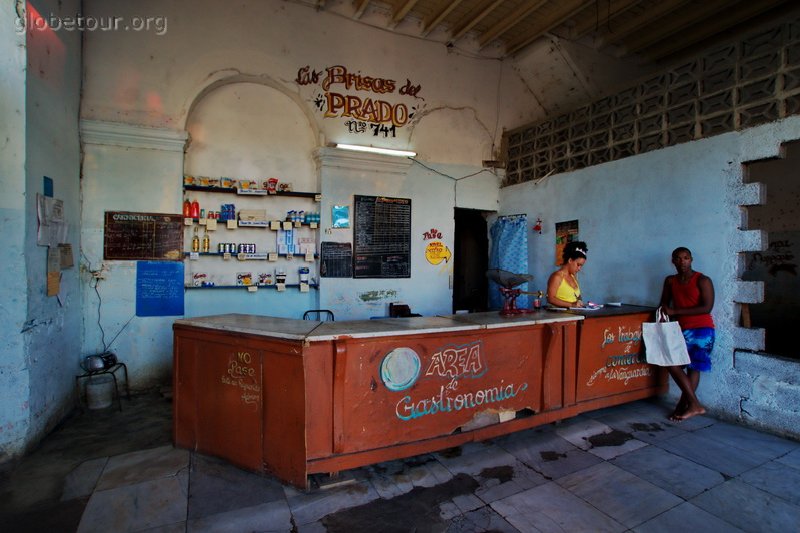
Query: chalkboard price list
382	237
131	236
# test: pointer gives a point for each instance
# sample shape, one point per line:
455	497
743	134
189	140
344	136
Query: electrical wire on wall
455	180
97	276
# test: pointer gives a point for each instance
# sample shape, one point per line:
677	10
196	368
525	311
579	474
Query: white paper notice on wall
52	221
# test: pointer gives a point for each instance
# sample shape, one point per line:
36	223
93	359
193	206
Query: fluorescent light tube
374	150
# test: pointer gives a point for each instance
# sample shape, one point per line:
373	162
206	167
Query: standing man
689	296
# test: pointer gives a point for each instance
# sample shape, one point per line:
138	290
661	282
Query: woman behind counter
563	289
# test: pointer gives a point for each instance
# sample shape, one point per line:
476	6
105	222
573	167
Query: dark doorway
470	261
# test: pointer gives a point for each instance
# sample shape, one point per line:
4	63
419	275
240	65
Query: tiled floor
620	469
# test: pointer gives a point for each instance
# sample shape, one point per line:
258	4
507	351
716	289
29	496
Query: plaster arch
244	129
221	78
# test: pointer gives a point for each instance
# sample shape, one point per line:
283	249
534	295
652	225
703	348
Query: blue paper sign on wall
159	288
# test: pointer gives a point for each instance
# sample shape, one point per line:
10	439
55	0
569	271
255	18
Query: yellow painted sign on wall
436	252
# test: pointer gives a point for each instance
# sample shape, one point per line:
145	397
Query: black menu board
336	260
128	235
382	237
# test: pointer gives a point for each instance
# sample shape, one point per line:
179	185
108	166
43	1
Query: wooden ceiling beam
587	24
401	11
709	27
470	21
431	23
561	12
659	11
671	28
519	14
360	6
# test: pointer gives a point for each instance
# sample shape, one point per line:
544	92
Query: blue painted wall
41	350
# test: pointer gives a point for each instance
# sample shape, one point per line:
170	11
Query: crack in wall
742	410
422	114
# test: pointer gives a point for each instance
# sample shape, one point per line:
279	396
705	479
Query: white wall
154	80
434	193
633	212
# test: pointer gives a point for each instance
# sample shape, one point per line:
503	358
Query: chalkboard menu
133	236
382	237
336	260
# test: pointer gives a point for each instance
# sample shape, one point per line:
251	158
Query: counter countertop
608	310
313	331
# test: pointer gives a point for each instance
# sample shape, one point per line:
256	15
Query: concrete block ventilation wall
753	81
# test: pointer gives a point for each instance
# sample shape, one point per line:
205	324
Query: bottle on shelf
206	241
195	241
187	209
195	209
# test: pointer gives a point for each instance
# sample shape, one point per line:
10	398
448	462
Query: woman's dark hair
574	250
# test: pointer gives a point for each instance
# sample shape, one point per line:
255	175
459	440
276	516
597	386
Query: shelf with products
254	192
213	261
245	256
274	225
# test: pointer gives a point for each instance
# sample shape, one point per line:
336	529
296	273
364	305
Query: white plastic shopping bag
664	344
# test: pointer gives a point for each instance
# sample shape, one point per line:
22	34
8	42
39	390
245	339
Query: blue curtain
509	252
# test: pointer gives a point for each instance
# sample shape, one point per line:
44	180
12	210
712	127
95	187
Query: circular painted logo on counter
400	369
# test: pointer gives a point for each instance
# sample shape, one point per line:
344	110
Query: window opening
777	266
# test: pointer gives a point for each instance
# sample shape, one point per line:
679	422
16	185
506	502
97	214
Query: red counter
292	397
611	366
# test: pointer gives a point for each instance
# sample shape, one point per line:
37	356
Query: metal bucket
99	392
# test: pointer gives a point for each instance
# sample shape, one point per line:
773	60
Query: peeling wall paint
374	296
